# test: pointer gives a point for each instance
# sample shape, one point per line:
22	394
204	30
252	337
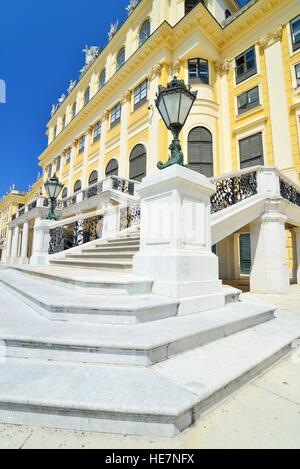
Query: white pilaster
86	157
71	169
24	247
154	81
124	135
278	106
15	245
224	121
270	272
176	239
101	167
9	246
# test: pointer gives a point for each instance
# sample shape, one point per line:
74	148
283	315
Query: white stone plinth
41	240
270	273
176	239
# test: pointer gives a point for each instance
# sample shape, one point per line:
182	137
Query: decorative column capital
126	97
222	68
155	71
271	38
104	115
175	67
90	129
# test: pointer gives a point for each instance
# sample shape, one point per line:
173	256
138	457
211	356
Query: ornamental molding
126	97
223	68
175	67
104	116
271	38
155	72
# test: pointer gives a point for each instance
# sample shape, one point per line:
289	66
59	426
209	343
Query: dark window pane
200	151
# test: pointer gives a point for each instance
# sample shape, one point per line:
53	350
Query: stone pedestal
270	272
41	240
176	239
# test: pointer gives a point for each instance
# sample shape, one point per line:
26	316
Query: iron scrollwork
75	234
130	216
289	192
122	185
233	190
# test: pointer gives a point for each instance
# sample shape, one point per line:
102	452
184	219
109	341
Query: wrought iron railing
75	234
129	217
232	190
289	192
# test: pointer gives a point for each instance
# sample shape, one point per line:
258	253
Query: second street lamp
53	188
174	104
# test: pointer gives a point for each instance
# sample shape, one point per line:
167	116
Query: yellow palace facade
243	61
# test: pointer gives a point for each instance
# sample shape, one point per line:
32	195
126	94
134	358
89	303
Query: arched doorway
200	151
138	163
112	169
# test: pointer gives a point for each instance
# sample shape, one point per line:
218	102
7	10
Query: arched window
77	186
138	163
93	179
112	169
190	4
120	59
65	193
74	110
102	79
87	95
200	151
144	32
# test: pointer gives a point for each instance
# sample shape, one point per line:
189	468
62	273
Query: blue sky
40	52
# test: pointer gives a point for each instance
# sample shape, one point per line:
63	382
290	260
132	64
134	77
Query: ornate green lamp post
53	188
174	104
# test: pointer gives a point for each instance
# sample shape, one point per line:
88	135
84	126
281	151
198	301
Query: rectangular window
68	156
97	132
251	151
246	65
297	73
115	115
141	94
81	145
198	71
295	31
58	160
248	100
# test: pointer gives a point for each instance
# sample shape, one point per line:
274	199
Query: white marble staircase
91	349
111	254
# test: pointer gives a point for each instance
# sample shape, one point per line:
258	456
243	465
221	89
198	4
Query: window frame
138	91
79	188
247	137
297	80
68	155
81	144
115	115
87	96
96	180
97	132
74	109
58	163
121	54
295	44
144	32
249	105
102	73
198	79
249	72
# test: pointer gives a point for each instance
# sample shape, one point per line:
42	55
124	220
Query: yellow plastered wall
288	62
289	249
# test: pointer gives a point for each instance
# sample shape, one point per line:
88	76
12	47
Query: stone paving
263	414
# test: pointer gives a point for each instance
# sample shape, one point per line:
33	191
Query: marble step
89	281
27	334
112	265
57	304
119	242
161	400
103	255
107	249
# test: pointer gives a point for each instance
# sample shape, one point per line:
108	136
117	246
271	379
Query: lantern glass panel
185	107
172	102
